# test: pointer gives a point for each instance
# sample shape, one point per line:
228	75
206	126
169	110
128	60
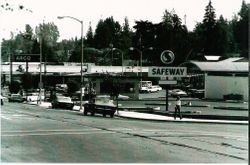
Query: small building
222	79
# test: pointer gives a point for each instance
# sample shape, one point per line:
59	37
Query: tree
27	39
222	33
89	42
172	35
126	36
209	29
64	50
210	16
107	32
48	34
241	29
212	36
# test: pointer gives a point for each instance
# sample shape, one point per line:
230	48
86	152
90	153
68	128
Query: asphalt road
33	134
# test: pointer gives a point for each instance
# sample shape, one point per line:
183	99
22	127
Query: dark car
100	105
62	102
16	98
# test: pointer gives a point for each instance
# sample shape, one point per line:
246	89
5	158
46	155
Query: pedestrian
178	108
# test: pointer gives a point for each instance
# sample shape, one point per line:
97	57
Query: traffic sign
167	72
27	58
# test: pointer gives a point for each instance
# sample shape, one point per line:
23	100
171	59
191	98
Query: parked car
197	93
144	86
122	97
102	105
177	92
33	97
154	88
16	98
158	87
62	102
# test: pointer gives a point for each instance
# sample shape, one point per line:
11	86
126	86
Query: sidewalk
153	117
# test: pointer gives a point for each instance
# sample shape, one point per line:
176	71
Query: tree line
110	39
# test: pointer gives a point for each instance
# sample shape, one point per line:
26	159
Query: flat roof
228	65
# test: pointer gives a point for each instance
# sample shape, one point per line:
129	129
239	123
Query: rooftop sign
167	72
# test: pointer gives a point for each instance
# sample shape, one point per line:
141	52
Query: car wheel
92	113
112	115
104	114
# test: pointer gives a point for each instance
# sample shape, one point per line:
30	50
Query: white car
122	97
177	92
158	87
152	89
34	97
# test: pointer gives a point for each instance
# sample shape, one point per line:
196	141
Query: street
30	133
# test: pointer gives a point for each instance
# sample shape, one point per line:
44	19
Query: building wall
218	86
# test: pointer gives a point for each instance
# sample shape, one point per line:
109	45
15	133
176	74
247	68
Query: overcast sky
93	10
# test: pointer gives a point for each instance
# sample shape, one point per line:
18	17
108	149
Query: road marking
56	133
58	130
4	117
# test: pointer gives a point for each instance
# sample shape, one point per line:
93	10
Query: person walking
178	108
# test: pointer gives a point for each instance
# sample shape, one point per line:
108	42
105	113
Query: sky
91	11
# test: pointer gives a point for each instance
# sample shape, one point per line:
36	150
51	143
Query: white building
222	78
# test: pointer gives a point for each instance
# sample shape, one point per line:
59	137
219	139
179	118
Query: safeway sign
167	72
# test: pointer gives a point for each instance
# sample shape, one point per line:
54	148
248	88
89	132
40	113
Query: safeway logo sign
167	72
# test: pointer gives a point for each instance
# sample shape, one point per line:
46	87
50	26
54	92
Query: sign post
168	73
167	83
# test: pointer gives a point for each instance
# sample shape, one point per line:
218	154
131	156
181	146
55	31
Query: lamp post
140	51
121	54
61	17
40	83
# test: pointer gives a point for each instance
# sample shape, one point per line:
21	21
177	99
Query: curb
186	120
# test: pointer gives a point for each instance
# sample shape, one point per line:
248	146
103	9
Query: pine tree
89	37
210	16
209	29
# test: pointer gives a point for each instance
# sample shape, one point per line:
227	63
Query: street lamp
61	17
140	51
121	54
